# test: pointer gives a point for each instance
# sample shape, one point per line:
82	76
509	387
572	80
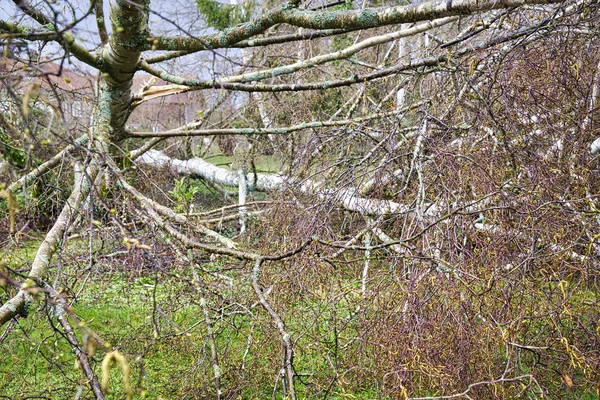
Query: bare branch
19	304
189	131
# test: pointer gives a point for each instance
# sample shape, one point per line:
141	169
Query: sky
166	17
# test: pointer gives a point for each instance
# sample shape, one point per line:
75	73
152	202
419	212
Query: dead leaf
566	379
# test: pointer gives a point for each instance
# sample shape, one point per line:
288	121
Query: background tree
407	206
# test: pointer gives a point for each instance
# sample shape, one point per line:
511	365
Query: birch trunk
347	198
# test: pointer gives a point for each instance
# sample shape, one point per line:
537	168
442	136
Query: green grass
170	364
157	322
263	163
118	311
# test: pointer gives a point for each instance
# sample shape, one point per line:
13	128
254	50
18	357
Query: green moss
368	18
326	19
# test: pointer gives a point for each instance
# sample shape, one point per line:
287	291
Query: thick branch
348	20
267	41
129	20
338	55
9	29
154	215
100	21
347	198
188	84
18	304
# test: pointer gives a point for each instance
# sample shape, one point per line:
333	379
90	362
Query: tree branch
273	131
320	20
188	84
64	39
100	21
285	336
19	304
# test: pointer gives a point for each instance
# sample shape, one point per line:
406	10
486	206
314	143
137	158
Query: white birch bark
347	198
593	98
243	191
365	274
595	147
